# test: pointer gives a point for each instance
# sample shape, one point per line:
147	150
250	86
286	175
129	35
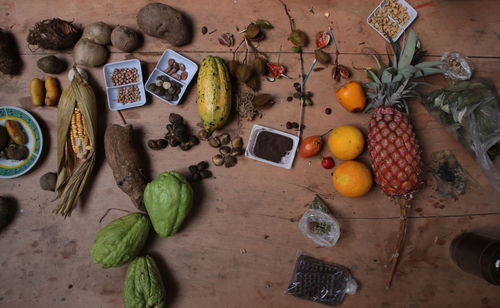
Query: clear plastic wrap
469	110
456	66
321	282
318	224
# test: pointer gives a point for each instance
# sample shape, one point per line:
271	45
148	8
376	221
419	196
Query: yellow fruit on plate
352	178
346	142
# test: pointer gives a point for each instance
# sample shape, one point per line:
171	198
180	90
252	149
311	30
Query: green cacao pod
143	287
168	200
120	241
214	93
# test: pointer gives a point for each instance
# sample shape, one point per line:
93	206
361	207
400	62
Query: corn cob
76	135
79	136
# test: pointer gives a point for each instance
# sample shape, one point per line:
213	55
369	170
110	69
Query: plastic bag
321	282
318	225
469	110
456	66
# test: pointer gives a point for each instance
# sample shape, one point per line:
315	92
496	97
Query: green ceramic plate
14	168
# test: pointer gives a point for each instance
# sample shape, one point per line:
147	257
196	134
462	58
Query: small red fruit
327	163
310	146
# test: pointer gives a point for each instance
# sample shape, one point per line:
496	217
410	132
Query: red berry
289	125
328	110
327	163
289	99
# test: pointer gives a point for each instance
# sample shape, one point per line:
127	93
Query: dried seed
214	142
193	169
237	142
167	85
176	76
230	161
202	165
196	177
243	251
204	30
171	62
252	31
218	160
226	39
203	135
205	174
193	140
224	150
236	151
185	146
175	119
182	67
184	75
224	138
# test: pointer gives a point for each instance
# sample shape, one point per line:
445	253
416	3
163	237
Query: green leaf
263	24
427	72
373	76
387	76
429	64
408	50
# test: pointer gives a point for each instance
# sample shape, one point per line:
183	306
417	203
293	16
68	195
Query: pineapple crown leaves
393	83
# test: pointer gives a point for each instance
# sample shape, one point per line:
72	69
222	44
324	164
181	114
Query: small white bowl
411	11
112	91
286	161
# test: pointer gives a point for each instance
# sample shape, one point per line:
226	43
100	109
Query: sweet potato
124	160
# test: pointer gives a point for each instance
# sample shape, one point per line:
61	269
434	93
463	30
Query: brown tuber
125	38
48	181
10	62
55	34
125	162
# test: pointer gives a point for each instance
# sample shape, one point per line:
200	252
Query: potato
48	181
53	91
51	65
163	21
17	151
37	92
15	131
125	38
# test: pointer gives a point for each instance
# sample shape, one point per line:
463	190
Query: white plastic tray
287	161
411	11
112	91
162	65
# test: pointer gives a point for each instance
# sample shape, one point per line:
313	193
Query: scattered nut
205	174
203	135
237	142
230	161
225	138
202	165
218	160
214	142
224	150
236	151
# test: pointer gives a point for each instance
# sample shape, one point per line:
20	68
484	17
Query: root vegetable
98	32
125	162
51	65
55	34
37	92
15	131
48	181
17	151
125	38
88	53
53	92
163	21
10	62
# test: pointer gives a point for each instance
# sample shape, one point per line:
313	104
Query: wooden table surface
44	259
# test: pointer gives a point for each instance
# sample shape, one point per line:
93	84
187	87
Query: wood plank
252	206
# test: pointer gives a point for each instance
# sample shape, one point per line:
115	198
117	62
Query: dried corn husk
74	172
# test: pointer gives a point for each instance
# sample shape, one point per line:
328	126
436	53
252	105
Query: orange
352	178
346	142
352	96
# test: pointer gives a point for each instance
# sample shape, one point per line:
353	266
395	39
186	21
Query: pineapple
395	153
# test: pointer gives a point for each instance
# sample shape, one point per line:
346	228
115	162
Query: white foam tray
287	161
112	91
162	65
411	11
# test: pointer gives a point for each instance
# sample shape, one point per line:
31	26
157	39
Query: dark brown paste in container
271	146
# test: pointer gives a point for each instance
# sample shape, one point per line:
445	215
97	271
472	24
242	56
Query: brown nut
214	142
224	150
237	142
230	161
225	138
236	151
218	160
203	135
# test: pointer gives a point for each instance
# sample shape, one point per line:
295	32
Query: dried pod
205	174
218	160
214	142
263	24
224	150
252	31
322	39
193	140
157	144
175	118
203	135
262	99
193	169
259	66
344	71
181	133
298	38
224	138
226	39
230	161
236	151
237	142
322	57
260	37
174	142
202	165
244	72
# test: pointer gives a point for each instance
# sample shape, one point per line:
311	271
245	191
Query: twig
121	116
212	31
404	209
301	116
109	210
290	18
